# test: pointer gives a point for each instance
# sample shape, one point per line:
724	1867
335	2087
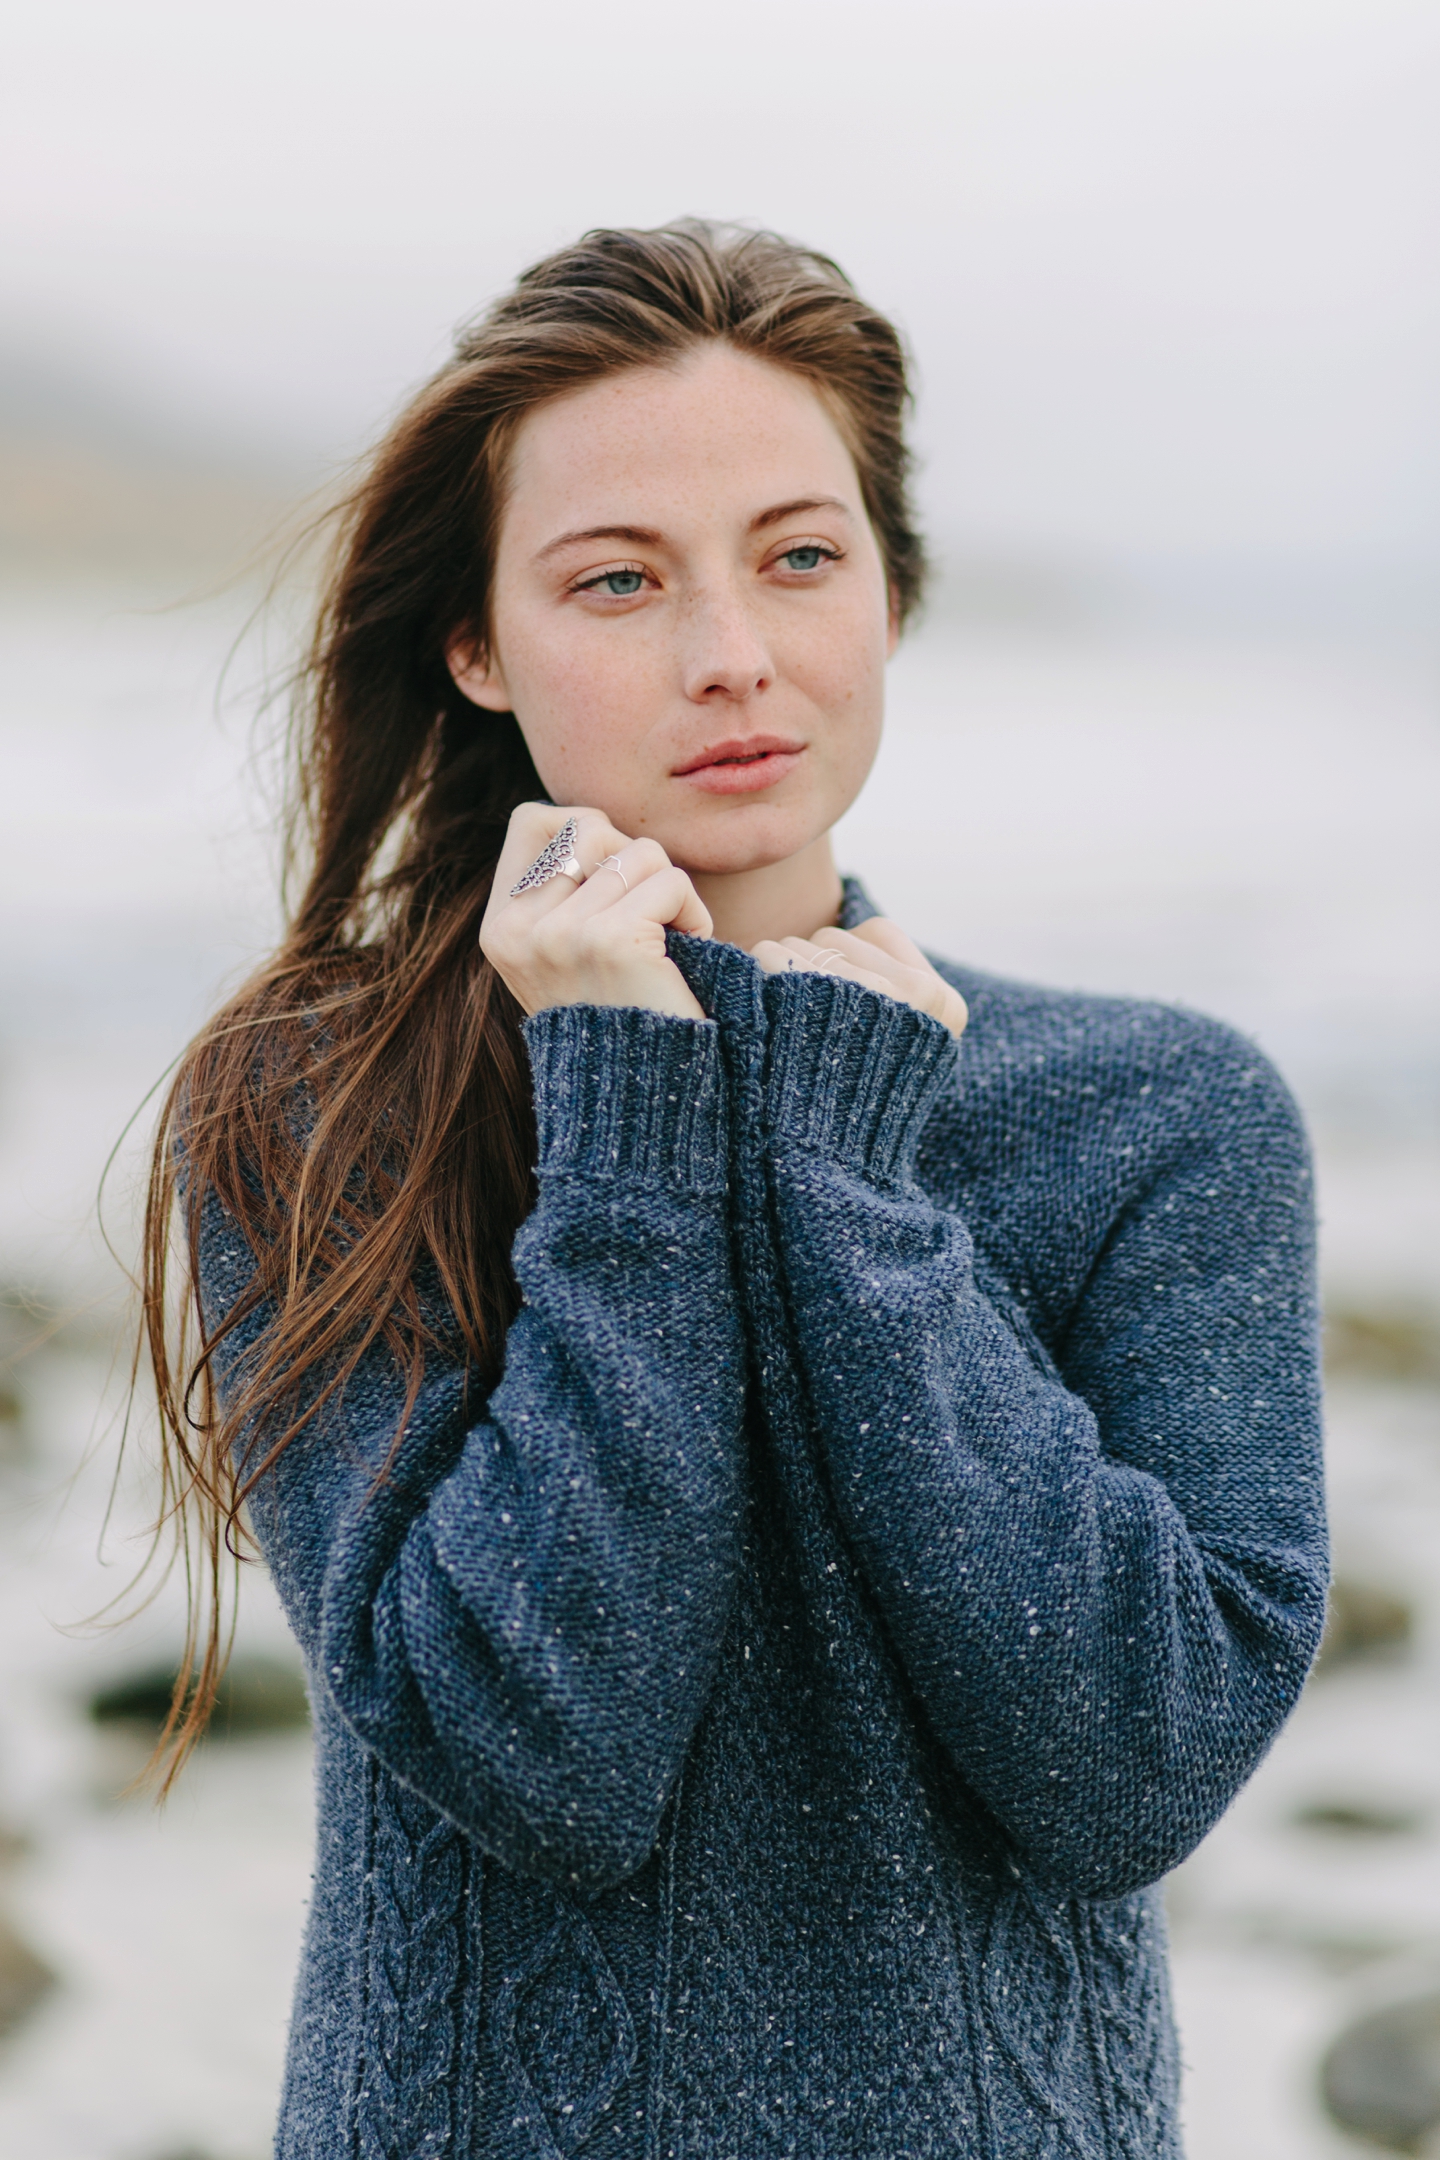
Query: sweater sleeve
1106	1588
522	1618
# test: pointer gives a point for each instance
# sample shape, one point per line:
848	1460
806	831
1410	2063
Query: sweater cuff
851	1074
621	1092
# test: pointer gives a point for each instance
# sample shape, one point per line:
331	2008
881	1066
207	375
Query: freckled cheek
585	706
844	678
846	686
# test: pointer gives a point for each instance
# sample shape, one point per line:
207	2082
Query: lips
744	765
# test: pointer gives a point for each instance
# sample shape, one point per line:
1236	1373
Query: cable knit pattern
895	1538
416	1972
561	2091
1137	2041
1034	1998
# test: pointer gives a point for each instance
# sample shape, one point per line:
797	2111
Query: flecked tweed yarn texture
758	1729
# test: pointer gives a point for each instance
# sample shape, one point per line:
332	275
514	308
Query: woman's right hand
600	943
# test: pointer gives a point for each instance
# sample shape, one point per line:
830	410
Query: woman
793	1527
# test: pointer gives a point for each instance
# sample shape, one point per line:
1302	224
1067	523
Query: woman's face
690	613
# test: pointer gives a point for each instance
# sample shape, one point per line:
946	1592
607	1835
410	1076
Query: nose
725	658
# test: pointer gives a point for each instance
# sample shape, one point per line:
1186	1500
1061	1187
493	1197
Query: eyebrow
784	510
640	535
646	536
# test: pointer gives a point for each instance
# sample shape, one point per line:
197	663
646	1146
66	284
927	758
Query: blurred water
1244	824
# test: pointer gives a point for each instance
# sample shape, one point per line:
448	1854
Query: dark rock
1401	1343
257	1695
1381	2078
1363	1622
12	1424
1359	1818
189	2152
24	1978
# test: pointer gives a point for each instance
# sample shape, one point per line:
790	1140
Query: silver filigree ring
556	859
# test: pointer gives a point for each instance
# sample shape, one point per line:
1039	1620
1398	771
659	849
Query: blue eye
805	558
620	584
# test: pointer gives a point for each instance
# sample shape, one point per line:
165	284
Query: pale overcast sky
1171	267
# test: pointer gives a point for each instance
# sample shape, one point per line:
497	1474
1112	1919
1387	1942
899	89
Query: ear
478	673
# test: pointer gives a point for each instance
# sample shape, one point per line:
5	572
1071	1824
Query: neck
793	898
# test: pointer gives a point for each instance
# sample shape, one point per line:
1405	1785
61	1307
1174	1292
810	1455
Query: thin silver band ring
612	862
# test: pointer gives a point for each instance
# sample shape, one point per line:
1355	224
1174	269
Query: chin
754	841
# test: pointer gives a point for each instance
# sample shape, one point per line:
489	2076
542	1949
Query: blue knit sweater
756	1729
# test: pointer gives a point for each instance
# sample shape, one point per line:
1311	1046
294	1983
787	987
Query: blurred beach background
1171	726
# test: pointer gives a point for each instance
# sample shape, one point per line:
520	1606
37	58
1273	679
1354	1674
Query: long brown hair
362	1106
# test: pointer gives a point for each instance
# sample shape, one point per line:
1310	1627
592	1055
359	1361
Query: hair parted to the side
361	1107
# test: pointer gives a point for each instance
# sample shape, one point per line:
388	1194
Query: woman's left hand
880	956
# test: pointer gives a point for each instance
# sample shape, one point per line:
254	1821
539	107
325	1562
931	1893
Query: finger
863	953
638	919
867	962
789	955
890	939
828	961
667	897
626	873
774	955
617	875
532	827
823	955
939	998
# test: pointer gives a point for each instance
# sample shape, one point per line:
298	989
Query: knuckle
497	938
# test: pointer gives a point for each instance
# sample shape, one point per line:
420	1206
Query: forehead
719	429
